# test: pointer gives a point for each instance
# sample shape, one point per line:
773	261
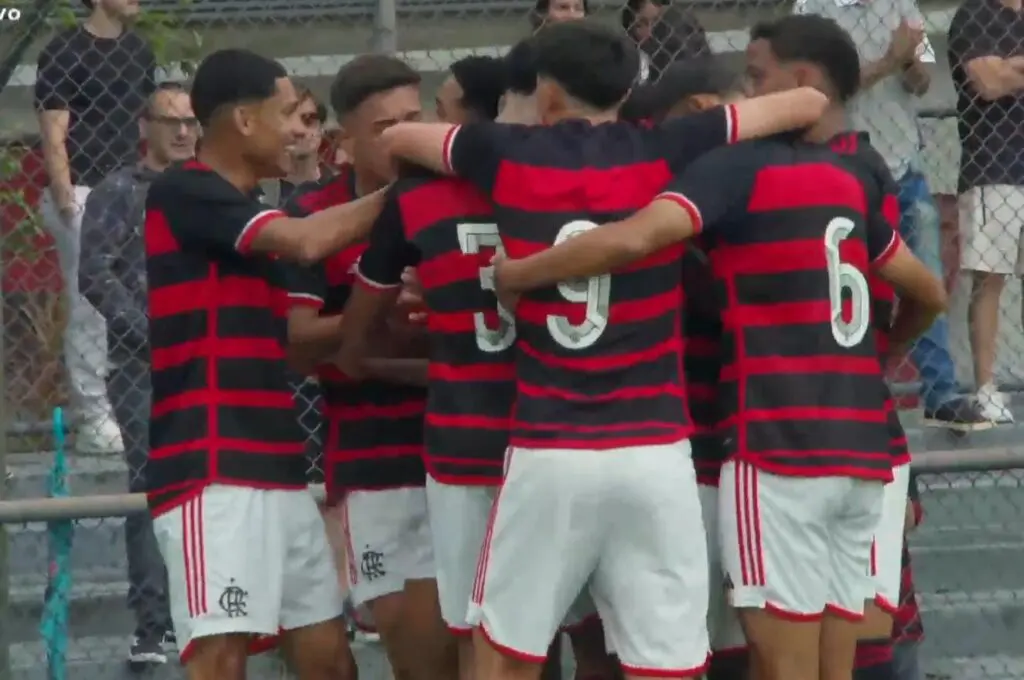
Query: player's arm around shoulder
771	114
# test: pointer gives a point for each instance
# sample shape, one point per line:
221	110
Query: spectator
473	90
677	35
638	16
985	41
889	35
92	84
112	276
554	11
305	155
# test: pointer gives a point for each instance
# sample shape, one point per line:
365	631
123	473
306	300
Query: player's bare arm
366	314
312	338
922	295
668	219
424	144
311	239
778	112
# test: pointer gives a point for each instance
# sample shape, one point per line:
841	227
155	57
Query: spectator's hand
508	299
905	42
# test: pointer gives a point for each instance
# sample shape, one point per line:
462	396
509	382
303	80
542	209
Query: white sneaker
993	404
98	436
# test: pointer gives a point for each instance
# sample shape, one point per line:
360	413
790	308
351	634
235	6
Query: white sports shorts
990	229
887	548
797	546
724	629
389	543
244	560
625	524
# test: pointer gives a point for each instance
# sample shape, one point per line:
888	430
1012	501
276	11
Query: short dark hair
704	75
230	77
89	4
592	62
817	40
677	36
367	75
482	80
641	105
541	8
521	68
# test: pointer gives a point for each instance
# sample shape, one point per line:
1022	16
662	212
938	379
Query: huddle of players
558	457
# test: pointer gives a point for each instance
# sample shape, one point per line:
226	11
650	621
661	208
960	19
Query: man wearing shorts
242	539
985	39
374	443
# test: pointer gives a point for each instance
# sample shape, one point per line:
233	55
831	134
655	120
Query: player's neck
366	181
304	170
102	25
228	165
831	123
589	115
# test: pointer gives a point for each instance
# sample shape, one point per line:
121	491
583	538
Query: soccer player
774	65
242	538
374	442
599	485
791	230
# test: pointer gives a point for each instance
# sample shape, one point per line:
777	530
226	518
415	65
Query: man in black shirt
92	85
985	41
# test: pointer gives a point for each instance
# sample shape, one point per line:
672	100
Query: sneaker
98	437
961	414
170	640
993	404
146	652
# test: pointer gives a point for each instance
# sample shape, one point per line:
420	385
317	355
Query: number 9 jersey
598	365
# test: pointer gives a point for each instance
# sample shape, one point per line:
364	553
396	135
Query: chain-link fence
967	552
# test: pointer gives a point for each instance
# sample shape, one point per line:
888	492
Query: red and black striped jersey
223	412
374	436
702	362
598	360
789	236
445	227
865	160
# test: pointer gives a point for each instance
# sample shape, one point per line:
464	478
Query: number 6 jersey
792	235
444	227
598	361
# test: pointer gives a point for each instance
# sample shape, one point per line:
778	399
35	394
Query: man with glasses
112	277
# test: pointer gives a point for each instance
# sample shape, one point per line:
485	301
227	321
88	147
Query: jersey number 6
845	277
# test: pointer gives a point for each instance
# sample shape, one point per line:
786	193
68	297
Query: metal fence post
385	27
5	622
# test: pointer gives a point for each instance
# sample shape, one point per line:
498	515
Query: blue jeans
919	227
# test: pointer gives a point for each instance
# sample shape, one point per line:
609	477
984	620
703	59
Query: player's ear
551	100
702	102
344	136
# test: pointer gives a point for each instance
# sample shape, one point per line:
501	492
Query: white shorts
797	545
243	560
724	630
388	535
887	548
990	229
459	514
626	523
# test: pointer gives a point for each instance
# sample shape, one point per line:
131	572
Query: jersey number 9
845	277
593	293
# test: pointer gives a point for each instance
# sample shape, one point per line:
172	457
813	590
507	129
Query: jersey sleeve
389	252
474	151
714	188
883	221
683	140
306	284
204	212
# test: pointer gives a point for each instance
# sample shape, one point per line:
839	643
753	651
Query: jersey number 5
845	277
472	238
